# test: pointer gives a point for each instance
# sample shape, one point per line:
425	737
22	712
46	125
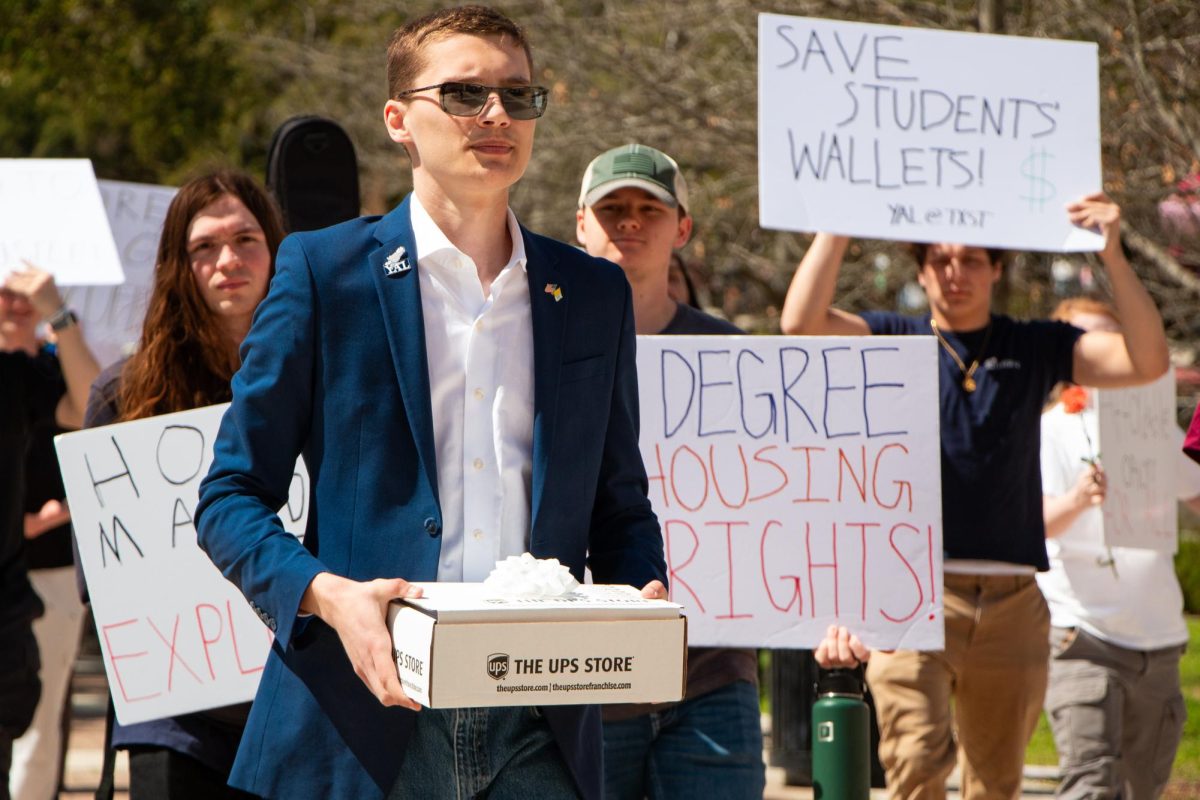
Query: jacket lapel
400	300
549	325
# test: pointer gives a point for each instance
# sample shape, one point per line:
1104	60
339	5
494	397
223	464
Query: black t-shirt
991	438
30	387
43	482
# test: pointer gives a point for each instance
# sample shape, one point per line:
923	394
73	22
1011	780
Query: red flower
1074	399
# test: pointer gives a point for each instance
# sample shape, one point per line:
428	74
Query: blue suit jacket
334	367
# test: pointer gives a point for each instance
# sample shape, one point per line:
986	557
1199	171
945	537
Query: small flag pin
553	290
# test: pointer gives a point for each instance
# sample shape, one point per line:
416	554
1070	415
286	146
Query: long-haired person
215	259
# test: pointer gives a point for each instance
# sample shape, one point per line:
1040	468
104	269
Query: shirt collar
434	248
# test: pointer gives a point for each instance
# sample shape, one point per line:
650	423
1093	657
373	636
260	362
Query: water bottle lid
841	681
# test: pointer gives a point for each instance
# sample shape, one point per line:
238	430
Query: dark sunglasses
468	99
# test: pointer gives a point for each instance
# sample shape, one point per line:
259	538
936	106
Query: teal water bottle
841	730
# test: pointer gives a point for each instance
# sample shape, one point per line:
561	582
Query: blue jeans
706	746
497	753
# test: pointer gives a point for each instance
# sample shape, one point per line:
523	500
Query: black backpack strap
107	782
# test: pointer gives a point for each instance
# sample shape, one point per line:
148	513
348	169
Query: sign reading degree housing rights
175	635
923	135
798	483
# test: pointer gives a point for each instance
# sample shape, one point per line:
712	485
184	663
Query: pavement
85	754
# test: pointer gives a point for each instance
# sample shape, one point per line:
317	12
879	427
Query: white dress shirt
1136	601
480	354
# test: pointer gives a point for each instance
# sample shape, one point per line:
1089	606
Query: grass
1187	759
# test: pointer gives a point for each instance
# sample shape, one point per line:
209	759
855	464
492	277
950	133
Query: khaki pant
993	670
1117	716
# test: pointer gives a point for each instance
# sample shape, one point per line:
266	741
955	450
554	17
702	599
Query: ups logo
497	665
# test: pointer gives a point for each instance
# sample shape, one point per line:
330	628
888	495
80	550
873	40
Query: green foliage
138	87
1187	567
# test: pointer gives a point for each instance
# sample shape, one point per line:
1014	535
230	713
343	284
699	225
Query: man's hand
358	612
1090	487
1098	212
37	287
840	648
654	590
47	518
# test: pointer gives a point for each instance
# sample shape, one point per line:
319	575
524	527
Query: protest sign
111	316
51	215
1138	445
175	635
923	135
798	483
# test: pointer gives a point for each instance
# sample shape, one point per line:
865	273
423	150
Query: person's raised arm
1138	354
79	367
807	309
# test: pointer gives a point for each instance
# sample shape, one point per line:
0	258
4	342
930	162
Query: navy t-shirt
991	438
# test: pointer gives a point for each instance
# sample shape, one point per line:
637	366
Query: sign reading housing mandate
924	135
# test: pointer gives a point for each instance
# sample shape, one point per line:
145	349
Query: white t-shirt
1141	605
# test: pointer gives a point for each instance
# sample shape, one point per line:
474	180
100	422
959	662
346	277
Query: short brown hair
404	54
918	250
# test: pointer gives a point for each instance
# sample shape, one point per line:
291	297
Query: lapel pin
553	290
397	263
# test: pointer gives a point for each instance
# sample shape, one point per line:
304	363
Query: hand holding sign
36	287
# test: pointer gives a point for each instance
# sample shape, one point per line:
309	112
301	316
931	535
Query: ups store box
458	647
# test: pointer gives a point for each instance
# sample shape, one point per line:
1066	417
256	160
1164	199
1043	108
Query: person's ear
581	226
684	232
395	119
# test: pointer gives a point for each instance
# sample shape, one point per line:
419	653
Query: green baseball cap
638	166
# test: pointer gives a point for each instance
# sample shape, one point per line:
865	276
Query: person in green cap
633	211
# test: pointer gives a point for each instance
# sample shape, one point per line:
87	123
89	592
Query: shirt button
431	526
479	325
477	463
479	395
478	534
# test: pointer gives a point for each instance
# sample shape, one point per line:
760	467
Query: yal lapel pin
553	290
397	263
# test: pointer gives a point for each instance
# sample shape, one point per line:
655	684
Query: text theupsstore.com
565	687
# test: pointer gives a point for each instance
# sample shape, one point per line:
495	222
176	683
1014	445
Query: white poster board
798	483
51	215
1139	448
924	135
111	316
175	635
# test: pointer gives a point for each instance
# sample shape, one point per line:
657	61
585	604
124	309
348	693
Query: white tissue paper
526	576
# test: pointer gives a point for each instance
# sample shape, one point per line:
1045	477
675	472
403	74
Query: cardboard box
457	647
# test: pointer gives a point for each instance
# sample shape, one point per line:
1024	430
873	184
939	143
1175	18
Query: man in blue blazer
461	390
